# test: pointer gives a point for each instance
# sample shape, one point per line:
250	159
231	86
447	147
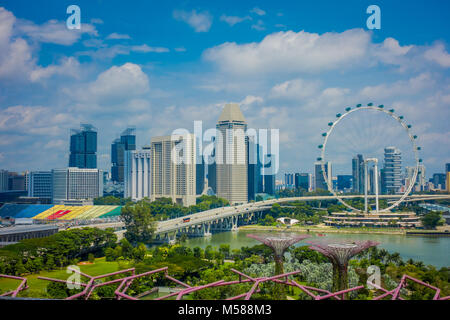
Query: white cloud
294	89
68	66
118	36
201	21
251	99
402	87
259	25
116	84
438	54
232	20
292	52
54	31
258	11
105	52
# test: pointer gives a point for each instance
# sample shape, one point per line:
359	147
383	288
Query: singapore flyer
384	153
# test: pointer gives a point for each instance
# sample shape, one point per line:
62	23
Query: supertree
278	242
339	252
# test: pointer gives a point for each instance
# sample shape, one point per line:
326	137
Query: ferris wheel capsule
330	124
359	105
348	109
392	111
409	126
338	115
419	148
401	117
370	104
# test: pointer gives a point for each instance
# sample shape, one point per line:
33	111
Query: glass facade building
83	147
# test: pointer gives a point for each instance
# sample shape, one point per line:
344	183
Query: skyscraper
439	181
269	174
173	168
344	182
127	142
200	169
137	177
358	174
83	147
392	171
231	155
318	175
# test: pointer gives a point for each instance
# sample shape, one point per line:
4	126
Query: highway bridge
229	218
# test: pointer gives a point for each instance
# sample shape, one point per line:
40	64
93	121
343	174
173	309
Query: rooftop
231	112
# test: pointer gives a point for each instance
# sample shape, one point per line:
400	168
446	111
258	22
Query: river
430	250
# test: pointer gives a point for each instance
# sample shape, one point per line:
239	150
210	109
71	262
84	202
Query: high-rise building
41	184
269	174
318	175
420	183
438	181
173	168
391	178
447	167
4	180
127	142
303	181
76	184
137	177
289	179
83	147
231	155
200	169
344	182
17	181
358	174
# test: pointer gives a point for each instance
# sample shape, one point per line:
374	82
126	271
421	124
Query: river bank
325	229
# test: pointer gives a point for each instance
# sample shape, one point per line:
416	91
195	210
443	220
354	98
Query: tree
432	219
138	221
91	258
224	249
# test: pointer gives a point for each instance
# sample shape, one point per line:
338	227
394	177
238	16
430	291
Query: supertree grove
278	242
339	252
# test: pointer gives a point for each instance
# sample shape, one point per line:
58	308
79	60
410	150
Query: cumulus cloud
16	53
116	84
291	51
109	52
438	55
201	21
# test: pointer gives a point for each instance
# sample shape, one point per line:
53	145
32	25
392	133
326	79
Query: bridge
230	218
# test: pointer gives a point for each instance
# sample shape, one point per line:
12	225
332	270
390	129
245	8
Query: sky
161	65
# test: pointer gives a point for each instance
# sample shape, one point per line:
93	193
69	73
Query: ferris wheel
405	128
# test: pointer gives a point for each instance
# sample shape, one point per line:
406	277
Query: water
430	250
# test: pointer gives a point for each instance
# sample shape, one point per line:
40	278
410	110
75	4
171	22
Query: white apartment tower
137	177
173	168
231	155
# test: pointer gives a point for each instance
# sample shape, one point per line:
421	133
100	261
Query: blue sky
161	65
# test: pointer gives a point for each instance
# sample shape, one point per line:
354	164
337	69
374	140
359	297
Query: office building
438	181
127	142
255	178
391	178
269	174
289	179
76	184
303	181
137	178
4	180
319	182
200	170
358	174
83	147
173	168
231	155
344	183
41	185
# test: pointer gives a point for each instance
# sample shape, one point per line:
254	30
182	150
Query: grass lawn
100	266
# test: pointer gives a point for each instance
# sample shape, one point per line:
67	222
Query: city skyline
113	76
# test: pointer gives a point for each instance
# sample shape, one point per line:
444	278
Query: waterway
430	250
